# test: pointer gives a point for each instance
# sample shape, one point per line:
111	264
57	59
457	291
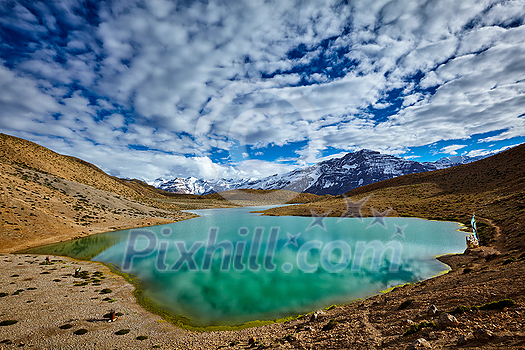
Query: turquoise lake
230	266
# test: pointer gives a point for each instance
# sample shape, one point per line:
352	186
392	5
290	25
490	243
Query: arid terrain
46	197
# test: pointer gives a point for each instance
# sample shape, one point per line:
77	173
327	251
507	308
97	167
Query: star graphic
292	239
354	208
399	231
318	219
379	218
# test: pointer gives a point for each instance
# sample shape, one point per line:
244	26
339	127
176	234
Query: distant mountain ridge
334	176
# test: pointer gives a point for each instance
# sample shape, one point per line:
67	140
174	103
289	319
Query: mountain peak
369	151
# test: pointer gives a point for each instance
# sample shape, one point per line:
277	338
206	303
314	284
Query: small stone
483	334
418	344
407	322
432	335
432	310
447	320
315	315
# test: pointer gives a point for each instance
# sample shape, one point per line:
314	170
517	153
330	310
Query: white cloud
21	96
451	149
484	152
158	69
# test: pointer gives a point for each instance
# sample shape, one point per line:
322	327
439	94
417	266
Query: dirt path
498	239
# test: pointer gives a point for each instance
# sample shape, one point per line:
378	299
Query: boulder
315	315
432	310
483	252
447	320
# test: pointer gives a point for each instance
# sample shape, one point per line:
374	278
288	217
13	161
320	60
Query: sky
229	89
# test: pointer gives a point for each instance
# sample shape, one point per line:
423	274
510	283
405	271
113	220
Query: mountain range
333	177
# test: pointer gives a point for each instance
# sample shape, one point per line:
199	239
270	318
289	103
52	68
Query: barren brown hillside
19	152
28	155
46	197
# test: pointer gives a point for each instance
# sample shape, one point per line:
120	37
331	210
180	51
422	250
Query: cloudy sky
212	89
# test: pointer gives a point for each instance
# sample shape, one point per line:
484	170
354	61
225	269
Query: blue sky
154	88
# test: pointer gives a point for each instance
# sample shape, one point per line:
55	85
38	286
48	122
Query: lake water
230	266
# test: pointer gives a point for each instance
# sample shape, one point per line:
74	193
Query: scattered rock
419	343
315	315
432	335
432	310
407	322
483	334
447	320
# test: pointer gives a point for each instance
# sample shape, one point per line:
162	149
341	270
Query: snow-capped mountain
447	162
192	185
334	176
